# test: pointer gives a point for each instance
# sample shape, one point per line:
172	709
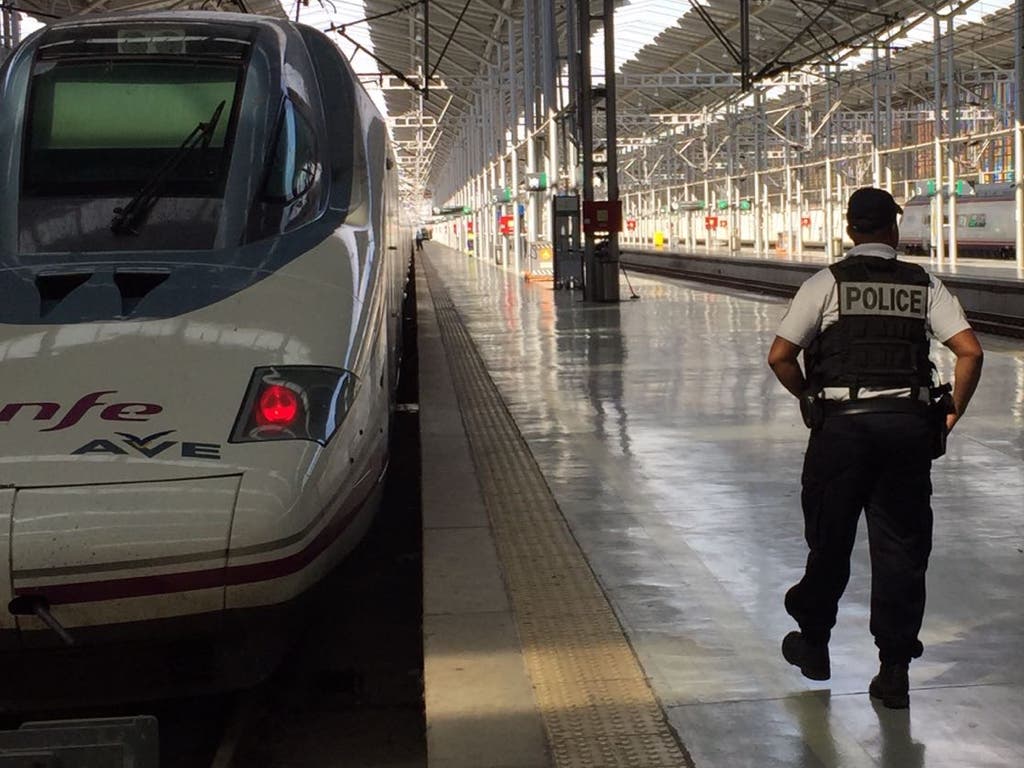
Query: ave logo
149	446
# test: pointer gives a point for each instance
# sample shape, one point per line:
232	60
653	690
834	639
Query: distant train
202	268
985	223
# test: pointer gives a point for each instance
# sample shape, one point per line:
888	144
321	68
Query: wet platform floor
675	456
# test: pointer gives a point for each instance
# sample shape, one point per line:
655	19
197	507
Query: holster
812	409
940	406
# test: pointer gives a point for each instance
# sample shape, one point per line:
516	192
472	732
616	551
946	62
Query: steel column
951	133
529	121
585	108
938	236
758	149
611	292
514	149
1018	133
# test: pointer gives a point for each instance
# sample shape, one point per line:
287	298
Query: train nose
113	554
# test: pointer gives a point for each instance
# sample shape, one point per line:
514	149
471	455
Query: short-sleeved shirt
816	306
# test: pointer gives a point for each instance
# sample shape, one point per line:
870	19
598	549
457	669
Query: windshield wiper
127	218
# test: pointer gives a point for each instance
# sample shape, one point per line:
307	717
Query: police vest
880	339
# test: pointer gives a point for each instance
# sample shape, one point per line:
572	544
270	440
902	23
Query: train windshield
125	112
97	129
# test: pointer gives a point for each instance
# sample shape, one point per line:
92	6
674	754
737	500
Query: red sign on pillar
469	226
602	216
805	221
631	224
505	225
710	222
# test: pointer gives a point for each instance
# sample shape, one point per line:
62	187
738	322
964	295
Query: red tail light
294	403
278	406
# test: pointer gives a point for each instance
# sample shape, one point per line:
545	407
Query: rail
992	305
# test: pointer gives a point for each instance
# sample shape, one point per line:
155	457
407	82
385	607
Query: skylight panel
27	25
636	26
924	32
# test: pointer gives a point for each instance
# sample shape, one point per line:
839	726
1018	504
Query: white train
202	267
985	223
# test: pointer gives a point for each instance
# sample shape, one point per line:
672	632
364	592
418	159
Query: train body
985	226
202	268
985	223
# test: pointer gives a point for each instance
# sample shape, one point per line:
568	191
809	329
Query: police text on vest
883	299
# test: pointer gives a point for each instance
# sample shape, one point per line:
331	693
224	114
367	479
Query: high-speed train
201	267
985	223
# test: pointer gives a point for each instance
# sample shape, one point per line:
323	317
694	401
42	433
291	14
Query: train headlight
294	403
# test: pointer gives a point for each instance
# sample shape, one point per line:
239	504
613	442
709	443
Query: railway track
784	280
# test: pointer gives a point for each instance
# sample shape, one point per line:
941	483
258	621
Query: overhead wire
448	42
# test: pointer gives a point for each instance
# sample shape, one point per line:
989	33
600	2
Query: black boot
811	658
892	686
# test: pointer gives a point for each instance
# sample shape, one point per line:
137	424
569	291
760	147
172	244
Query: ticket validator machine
567	238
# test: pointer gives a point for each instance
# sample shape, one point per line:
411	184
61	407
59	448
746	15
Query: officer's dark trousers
880	463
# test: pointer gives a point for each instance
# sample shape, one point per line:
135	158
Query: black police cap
871	210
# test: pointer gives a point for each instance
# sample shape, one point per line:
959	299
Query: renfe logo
46	411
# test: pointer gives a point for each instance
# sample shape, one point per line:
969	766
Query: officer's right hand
951	420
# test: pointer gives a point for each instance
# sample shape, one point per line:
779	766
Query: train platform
965	266
991	292
611	519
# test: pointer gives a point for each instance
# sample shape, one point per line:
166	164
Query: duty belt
875	405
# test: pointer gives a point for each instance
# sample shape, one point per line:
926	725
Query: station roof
675	56
685	38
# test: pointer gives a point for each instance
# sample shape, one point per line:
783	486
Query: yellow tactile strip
597	707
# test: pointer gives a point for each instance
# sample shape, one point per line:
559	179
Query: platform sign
501	194
602	216
536	182
745	205
691	205
567	204
961	187
450	210
723	205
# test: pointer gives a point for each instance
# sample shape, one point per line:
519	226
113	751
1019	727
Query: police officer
863	325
